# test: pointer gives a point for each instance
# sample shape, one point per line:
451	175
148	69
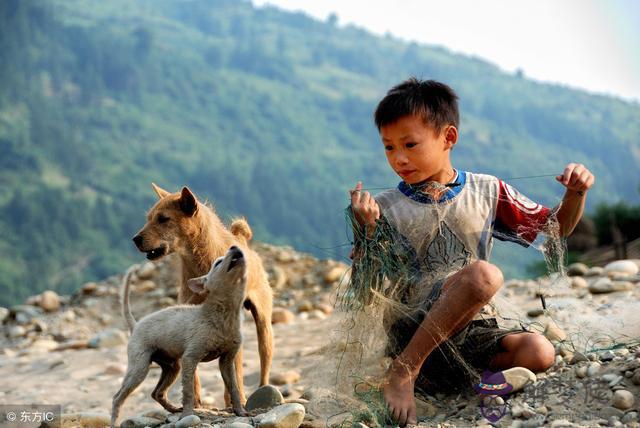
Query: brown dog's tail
124	298
241	230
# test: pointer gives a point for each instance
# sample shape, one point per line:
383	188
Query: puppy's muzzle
237	257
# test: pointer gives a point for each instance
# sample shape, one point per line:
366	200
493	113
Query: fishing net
389	292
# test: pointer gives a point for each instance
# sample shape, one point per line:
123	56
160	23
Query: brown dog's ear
188	202
197	284
159	191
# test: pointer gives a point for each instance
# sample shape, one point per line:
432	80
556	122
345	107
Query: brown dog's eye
163	218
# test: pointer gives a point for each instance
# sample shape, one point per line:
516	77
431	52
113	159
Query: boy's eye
163	218
409	145
388	148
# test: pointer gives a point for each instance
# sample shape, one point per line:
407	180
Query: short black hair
435	102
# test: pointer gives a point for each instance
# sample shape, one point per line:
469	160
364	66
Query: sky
587	44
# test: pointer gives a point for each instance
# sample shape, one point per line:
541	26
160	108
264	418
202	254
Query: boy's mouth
406	173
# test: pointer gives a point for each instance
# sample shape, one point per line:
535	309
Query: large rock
623	266
188	421
284	416
265	397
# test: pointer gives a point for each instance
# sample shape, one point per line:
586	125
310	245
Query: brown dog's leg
197	400
262	316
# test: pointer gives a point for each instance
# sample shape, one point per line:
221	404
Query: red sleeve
518	218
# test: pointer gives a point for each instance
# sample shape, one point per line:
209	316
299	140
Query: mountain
265	113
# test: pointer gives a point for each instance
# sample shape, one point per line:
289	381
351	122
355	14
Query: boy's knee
540	352
486	280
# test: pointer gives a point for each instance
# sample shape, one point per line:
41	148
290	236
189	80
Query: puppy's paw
240	411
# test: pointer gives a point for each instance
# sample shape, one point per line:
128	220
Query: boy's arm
578	180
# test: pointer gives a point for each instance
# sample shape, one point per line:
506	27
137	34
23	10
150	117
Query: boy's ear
450	136
159	191
188	202
197	284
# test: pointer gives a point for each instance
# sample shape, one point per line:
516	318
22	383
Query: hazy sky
590	44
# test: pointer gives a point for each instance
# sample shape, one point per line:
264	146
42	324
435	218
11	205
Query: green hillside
265	113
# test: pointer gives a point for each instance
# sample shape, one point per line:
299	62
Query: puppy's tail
124	298
241	230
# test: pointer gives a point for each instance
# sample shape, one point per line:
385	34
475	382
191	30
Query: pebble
578	357
146	271
288	377
601	285
49	301
305	306
594	271
279	277
553	332
622	399
577	269
532	313
265	397
284	416
108	339
607	356
623	266
141	422
326	308
593	369
334	274
82	419
188	421
635	378
16	331
282	316
145	286
579	282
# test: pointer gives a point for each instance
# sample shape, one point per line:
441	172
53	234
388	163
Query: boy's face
416	152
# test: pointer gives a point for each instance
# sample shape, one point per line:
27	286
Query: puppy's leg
189	364
239	380
136	373
228	372
170	371
261	311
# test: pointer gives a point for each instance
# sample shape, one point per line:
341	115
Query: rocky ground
71	351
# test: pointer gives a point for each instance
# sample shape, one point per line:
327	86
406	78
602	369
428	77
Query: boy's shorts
455	365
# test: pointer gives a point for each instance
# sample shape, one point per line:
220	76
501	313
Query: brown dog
179	223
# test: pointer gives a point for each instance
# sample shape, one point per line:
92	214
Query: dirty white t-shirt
443	236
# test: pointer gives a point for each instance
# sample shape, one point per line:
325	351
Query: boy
443	220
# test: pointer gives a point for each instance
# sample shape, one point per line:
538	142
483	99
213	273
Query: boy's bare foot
398	394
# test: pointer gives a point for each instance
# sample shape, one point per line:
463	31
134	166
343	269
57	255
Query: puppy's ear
188	202
197	284
159	191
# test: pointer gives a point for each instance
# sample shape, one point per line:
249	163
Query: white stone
518	377
624	266
285	416
554	333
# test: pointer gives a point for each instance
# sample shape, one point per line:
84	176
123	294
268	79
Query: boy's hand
577	178
365	208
